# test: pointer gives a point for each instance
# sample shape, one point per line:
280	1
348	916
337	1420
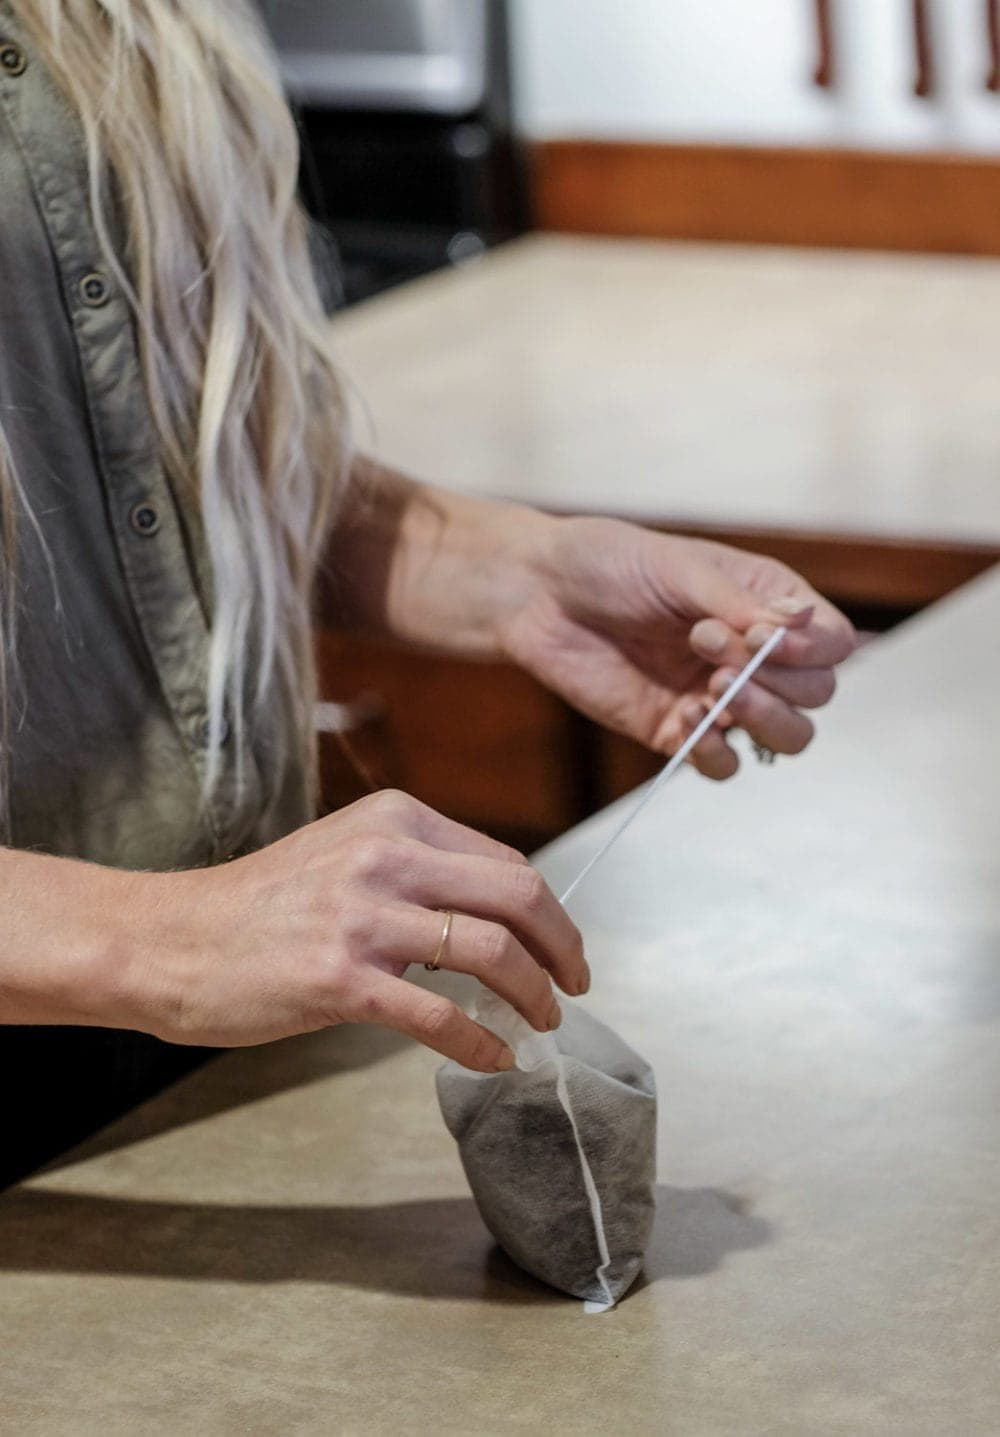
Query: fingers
802	688
805	688
513	895
828	639
712	755
432	1020
488	951
510	932
768	719
717	643
821	645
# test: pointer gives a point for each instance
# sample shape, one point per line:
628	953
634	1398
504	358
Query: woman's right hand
320	928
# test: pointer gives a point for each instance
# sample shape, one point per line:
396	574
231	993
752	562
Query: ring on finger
434	965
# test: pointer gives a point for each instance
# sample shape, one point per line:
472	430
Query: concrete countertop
694	384
809	955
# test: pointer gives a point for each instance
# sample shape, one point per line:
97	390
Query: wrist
71	953
454	568
433	568
484	571
102	961
147	972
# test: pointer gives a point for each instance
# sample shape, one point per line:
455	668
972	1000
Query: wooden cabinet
835	411
492	748
483	743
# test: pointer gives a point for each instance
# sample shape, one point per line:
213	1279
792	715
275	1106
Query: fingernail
711	638
758	636
585	982
555	1015
506	1061
794	608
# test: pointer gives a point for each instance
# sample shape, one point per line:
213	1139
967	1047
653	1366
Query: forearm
281	941
432	568
67	953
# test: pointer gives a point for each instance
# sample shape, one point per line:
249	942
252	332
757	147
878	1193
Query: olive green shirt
107	730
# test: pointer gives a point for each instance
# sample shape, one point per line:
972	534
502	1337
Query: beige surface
810	956
802	390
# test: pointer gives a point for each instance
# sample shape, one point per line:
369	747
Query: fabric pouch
560	1152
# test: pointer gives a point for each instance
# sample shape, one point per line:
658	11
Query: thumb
793	613
720	597
737	614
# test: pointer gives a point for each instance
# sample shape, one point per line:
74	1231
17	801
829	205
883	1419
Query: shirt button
13	60
94	290
145	518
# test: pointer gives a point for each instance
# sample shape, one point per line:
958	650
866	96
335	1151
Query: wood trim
898	576
890	574
937	203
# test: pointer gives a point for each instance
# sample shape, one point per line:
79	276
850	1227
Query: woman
178	495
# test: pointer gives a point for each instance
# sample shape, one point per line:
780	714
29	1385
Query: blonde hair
190	142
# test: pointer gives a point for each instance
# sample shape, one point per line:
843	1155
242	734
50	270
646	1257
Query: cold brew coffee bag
560	1152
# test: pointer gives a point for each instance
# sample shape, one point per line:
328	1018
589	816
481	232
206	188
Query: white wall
739	71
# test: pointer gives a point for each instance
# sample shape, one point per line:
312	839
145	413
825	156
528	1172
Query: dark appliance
409	157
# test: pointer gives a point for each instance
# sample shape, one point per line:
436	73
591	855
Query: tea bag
560	1152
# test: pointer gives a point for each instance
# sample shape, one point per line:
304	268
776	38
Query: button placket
162	585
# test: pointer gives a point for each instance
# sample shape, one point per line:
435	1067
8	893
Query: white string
695	738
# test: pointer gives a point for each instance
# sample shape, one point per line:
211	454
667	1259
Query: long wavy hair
193	164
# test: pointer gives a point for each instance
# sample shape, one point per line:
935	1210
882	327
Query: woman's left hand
644	632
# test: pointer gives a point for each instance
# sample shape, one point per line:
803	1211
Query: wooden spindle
924	83
993	35
825	74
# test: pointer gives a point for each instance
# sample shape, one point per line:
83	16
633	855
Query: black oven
408	152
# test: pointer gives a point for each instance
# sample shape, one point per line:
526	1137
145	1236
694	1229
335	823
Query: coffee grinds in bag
560	1152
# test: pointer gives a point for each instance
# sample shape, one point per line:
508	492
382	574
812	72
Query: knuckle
371	1008
438	1022
528	888
512	855
395	808
492	945
483	1050
375	856
358	928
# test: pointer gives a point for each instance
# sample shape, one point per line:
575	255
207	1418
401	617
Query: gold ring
435	963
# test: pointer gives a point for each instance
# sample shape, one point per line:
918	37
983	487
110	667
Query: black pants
59	1085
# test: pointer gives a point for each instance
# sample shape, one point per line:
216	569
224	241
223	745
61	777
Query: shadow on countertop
134	1068
434	1249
